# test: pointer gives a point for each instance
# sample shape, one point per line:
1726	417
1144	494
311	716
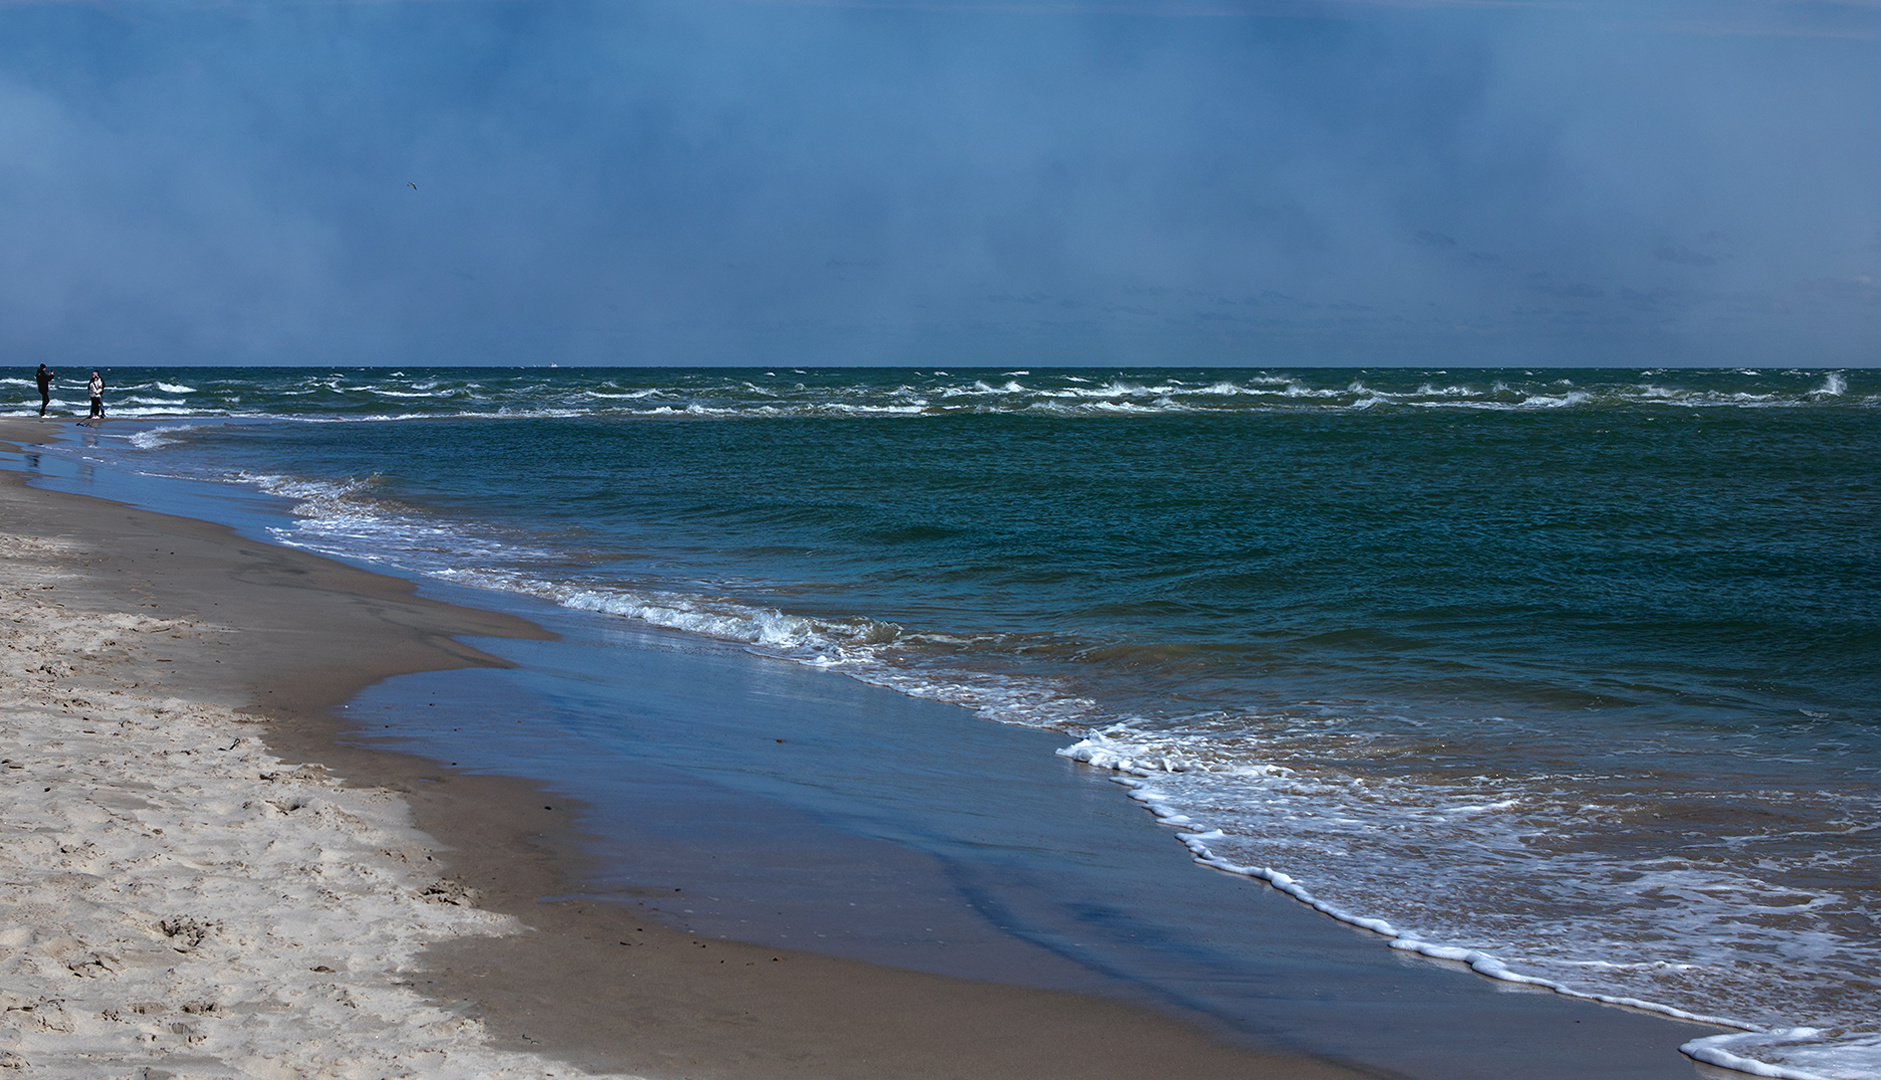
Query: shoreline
311	634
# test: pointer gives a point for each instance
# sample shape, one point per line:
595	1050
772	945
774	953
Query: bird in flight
411	185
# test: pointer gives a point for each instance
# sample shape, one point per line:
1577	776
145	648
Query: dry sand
189	891
176	895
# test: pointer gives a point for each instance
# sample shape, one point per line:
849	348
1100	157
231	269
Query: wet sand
206	877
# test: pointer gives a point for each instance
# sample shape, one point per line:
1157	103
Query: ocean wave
802	637
156	437
621	393
1213	776
1349	832
1793	1053
1148	768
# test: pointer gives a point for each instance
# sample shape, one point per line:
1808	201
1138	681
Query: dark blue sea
1570	675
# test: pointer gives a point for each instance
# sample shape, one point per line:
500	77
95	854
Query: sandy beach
202	879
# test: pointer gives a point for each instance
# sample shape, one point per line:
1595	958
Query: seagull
411	185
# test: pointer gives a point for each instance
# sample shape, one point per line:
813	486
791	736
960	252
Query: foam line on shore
1717	1050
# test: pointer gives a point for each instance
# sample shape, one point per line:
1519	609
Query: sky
1255	183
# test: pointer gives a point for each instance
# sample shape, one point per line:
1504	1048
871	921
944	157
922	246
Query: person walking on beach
45	375
97	397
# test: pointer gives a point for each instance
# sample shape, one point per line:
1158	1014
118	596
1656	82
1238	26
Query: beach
942	538
876	722
204	880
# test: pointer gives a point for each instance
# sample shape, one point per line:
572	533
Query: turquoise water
1572	674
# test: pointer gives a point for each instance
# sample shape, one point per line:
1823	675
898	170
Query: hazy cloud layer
941	183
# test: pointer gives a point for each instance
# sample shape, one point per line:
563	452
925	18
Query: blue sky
951	182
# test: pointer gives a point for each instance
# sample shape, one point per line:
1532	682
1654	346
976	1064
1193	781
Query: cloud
1859	290
1577	289
730	182
1685	256
1256	9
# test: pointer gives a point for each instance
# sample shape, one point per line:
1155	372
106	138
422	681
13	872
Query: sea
1571	676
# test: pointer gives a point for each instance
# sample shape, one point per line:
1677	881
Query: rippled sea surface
1570	674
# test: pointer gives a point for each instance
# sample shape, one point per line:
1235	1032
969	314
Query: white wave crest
155	437
1793	1053
1156	769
